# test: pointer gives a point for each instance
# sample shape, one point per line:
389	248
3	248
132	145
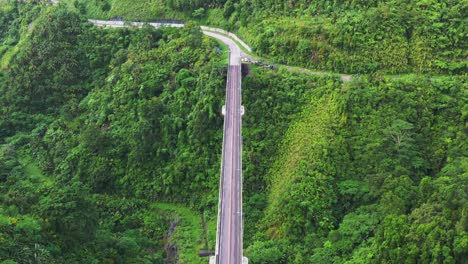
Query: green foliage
59	66
139	10
358	37
188	5
146	10
70	212
91	115
370	172
110	139
302	191
16	23
267	252
264	126
186	231
340	36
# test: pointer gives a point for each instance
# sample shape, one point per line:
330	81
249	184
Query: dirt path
344	77
171	247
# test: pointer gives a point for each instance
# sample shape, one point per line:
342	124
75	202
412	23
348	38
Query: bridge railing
221	177
241	175
122	24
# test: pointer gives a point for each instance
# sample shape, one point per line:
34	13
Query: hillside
387	37
110	139
112	123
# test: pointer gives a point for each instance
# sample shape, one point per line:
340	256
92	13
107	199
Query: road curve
206	30
235	52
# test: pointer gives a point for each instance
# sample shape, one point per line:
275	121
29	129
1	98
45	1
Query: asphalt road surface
230	229
230	220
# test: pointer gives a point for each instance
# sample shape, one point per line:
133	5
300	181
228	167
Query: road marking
232	167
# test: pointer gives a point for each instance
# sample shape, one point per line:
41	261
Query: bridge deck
230	222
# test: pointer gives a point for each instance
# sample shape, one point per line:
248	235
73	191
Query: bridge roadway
230	209
230	223
230	218
230	226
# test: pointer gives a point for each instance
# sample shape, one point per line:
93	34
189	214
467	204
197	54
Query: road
230	225
229	236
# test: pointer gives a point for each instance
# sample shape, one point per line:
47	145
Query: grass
415	75
344	77
211	226
189	235
146	10
138	10
8	56
93	10
304	143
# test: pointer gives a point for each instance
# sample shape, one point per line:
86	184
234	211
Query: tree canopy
110	139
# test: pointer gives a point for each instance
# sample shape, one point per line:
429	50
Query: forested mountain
396	36
96	127
110	139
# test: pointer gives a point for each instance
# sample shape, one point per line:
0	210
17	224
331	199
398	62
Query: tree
8	161
199	13
69	211
263	252
400	132
228	8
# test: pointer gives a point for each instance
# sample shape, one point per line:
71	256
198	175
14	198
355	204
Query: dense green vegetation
358	36
372	171
110	140
96	127
418	36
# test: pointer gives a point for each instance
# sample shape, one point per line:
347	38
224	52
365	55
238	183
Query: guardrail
241	174
231	35
221	177
122	24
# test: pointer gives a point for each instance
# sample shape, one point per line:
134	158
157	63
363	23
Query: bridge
230	218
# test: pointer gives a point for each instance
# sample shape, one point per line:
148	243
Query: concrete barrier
122	24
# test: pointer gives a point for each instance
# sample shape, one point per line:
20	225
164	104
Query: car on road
245	60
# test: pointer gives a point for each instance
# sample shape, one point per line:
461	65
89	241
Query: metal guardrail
221	190
241	174
122	24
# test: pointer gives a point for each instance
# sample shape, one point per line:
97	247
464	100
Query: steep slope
115	121
390	37
361	173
